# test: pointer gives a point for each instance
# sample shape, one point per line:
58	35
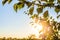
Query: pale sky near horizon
14	24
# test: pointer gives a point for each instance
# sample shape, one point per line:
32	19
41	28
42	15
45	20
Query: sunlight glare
37	28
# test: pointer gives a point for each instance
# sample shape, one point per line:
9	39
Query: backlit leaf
45	14
28	4
57	9
20	5
59	27
39	9
51	17
22	0
4	1
31	10
51	0
44	0
50	4
15	7
9	1
33	16
58	1
58	16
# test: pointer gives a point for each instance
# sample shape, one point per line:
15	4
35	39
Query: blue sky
14	24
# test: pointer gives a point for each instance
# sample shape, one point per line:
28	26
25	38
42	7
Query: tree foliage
31	7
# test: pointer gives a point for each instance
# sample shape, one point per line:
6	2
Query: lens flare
37	28
43	28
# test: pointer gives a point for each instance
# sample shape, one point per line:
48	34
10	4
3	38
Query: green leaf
15	7
58	1
28	4
58	16
57	9
9	1
50	4
44	0
4	1
51	17
59	27
39	9
31	10
45	15
21	0
20	5
33	16
51	0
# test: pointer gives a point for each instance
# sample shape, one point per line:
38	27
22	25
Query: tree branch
46	5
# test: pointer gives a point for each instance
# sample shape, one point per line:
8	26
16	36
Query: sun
37	29
43	28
